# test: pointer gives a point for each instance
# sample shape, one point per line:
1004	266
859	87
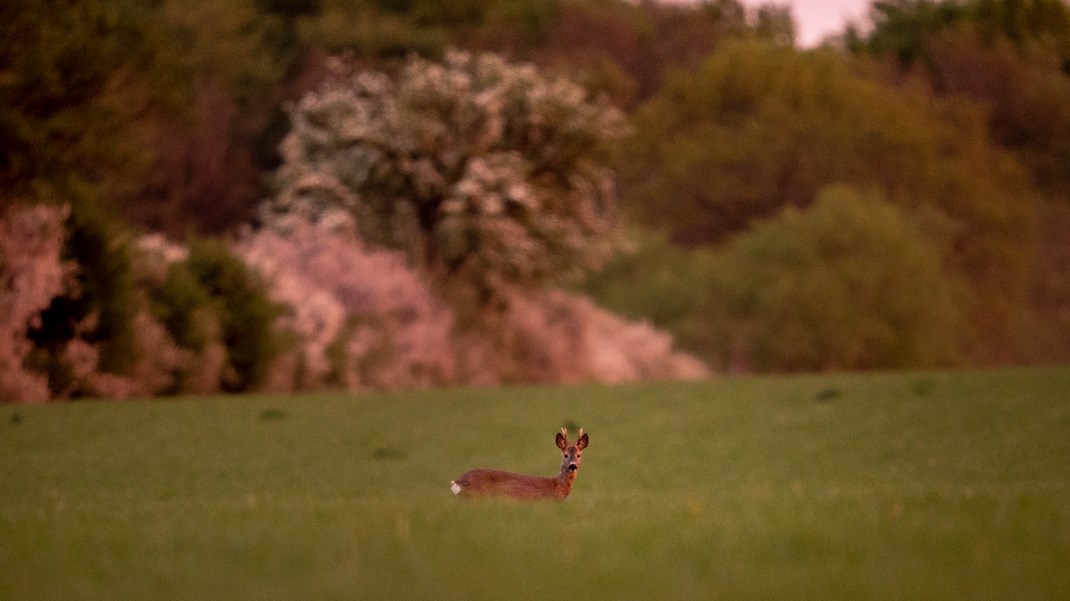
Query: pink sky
816	19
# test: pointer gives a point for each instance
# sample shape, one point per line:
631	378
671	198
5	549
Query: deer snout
573	467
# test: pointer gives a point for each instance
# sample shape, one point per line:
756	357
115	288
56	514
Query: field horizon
883	485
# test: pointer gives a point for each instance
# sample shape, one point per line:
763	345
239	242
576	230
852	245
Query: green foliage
246	314
1028	101
352	26
664	283
904	28
898	26
240	42
73	84
1040	28
177	302
290	8
105	285
774	22
757	129
1013	56
849	283
389	30
99	307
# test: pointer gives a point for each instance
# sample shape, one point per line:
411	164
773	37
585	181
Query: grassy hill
876	486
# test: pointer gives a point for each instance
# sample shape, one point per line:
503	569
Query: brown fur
487	482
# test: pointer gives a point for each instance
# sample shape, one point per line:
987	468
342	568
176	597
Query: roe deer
484	482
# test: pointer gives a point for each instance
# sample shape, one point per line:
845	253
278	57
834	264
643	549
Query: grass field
879	486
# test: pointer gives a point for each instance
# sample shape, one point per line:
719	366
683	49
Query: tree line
894	198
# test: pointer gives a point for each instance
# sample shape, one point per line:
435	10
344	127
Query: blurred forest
536	190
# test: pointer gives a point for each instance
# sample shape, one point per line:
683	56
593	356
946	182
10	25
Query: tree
98	307
32	273
758	129
362	319
73	78
1039	29
674	292
848	283
246	313
486	173
1012	56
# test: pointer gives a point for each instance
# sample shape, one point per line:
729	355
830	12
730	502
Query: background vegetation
896	198
916	485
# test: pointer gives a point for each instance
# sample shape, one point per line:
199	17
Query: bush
364	319
239	299
177	302
849	283
757	129
185	311
663	282
32	273
97	308
76	327
561	337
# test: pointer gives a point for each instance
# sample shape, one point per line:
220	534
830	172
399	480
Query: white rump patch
456	488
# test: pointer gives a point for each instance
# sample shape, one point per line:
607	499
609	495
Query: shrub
238	297
177	302
662	282
757	129
849	283
364	318
562	337
97	308
32	273
80	324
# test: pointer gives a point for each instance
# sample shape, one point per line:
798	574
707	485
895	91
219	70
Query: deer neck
563	480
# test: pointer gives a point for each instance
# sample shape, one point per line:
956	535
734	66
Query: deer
498	483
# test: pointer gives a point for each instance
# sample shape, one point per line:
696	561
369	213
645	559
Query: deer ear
562	439
582	442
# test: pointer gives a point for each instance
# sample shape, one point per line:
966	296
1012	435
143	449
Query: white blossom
480	169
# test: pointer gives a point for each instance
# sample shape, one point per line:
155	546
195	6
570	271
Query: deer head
571	454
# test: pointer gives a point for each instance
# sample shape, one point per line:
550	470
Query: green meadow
928	485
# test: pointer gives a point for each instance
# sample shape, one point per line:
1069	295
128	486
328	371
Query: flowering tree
32	273
364	319
484	172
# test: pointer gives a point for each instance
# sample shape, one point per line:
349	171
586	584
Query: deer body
486	482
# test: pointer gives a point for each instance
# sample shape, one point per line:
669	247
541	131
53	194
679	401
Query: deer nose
573	467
